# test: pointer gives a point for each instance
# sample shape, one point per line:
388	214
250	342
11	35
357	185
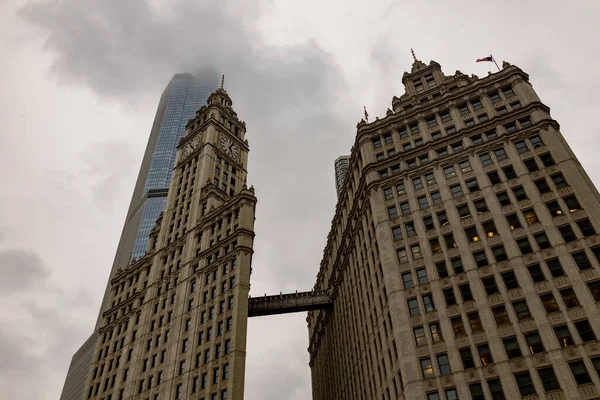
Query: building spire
222	81
413	54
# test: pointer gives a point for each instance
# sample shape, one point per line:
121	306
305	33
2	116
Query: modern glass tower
183	96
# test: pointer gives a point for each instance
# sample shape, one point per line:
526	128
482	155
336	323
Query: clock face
191	146
229	147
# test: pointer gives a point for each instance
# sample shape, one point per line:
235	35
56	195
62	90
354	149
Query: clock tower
179	313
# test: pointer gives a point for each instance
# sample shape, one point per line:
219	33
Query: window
536	273
457	265
554	208
397	232
383	173
403	133
413	307
458	326
508	92
510	280
418	142
476	105
501	110
530	216
547	159
442	218
510	127
435	197
431	122
417	183
563	335
449	296
426	368
531	165
419	87
485	159
419	334
480	259
494	177
524	245
525	383
500	315
534	342
387	139
422	276
489	284
585	331
400	189
519	193
428	302
449	171
515	105
428	222
444	364
555	267
456	190
509	172
451	394
496	389
405	208
521	310
491	134
376	143
465	166
495	97
445	116
548	378
435	245
511	345
410	228
549	302
485	354
572	203
415	251
569	297
582	260
500	154
463	211
433	396
441	269
467	358
483	118
436	332
567	233
392	212
472	234
391	152
580	372
503	198
469	122
475	322
415	129
450	130
430	178
536	141
379	156
407	280
542	186
476	391
480	206
472	185
542	240
463	109
499	253
449	240
586	227
594	288
521	146
402	256
513	221
423	203
525	122
559	180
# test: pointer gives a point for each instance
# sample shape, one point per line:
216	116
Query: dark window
476	105
428	222
586	333
463	109
524	245
472	185
450	130
594	289
476	139
436	198
469	122
499	253
413	306
548	378
525	122
457	265
444	364
433	396
431	122
580	372
387	193
423	203
530	216
521	309
563	335
392	212
519	193
428	302
422	276
555	267
387	139
534	342
475	322
442	218
451	394
490	286
456	147
510	127
465	291
567	233
441	268
405	208
377	143
449	296
586	227
410	228
491	134
500	315
569	297
508	92
525	384
554	208
485	354
445	116
456	190
521	146
513	221
419	334
397	233
542	186
536	141
531	165
494	177
496	389
472	234
429	178
458	326
417	183
407	280
536	273
463	211
572	203
436	332
495	97
480	205
503	198
449	171
582	260
542	240
403	133
510	280
515	105
485	159
511	345
476	391
547	159
466	355
435	245
426	368
509	172
480	258
465	166
379	156
559	180
549	302
415	129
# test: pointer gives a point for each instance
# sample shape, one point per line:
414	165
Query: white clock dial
229	147
195	142
187	150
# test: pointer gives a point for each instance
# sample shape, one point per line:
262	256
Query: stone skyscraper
174	323
463	258
184	95
341	167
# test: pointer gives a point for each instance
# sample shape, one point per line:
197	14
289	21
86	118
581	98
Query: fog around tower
81	83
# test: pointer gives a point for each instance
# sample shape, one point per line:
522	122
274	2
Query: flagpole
494	60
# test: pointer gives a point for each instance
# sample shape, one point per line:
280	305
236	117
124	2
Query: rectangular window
415	250
559	180
475	322
379	156
494	177
457	265
417	183
500	154
515	105
554	208
555	267
422	276
534	342
392	212
458	326
480	206
503	198
376	143
542	240
435	245
524	245
500	315
476	391
586	227
449	296
415	129
428	222
428	302
548	379
525	122
442	218
547	159
450	130
403	133
449	171
456	190
549	302
509	172
426	368
485	354
594	288
567	233
444	364
569	297
463	211
387	139
472	234
530	216
441	268
436	332
485	159
430	178
513	350
499	253
521	310
585	331
435	197
405	208
582	260
449	240
397	233
410	228
513	221
480	259
413	306
572	203
472	185
463	109
467	358
521	146
519	193
407	280
476	105
536	141
501	110
469	122
496	389
465	166
490	286
531	165
510	280
423	203
445	116
400	190
431	122
510	127
525	384
580	373
483	118
419	334
402	256
536	273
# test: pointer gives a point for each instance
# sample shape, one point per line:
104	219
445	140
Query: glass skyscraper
183	96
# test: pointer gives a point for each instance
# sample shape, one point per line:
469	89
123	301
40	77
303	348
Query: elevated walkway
288	303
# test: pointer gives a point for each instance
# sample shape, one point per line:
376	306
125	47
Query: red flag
366	114
490	59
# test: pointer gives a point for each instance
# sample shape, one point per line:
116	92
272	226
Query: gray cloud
20	269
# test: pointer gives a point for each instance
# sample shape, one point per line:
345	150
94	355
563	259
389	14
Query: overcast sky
80	81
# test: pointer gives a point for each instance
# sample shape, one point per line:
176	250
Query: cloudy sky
80	81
